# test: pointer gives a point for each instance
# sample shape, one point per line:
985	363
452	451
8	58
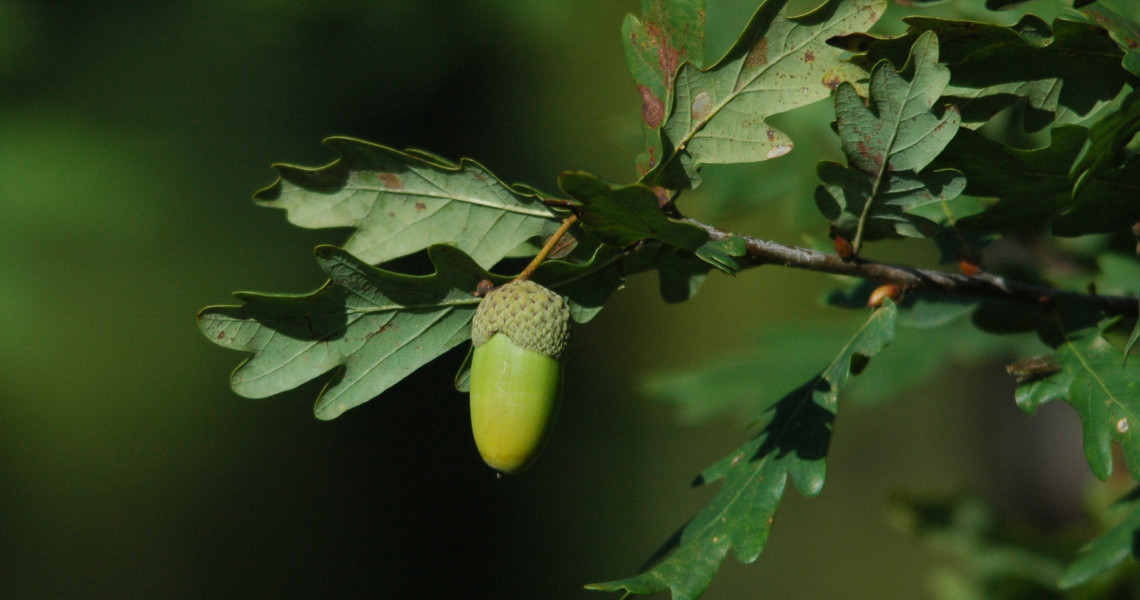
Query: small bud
969	266
883	292
844	249
519	331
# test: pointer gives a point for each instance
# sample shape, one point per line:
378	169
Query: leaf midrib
1131	415
522	210
763	463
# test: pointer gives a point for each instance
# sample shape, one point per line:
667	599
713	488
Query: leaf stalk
547	248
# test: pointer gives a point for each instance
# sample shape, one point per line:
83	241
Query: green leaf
887	146
1026	187
995	561
1040	383
891	211
1118	274
900	132
779	63
374	327
723	254
1107	140
955	243
403	202
670	32
680	273
378	326
1109	549
1071	64
726	384
1003	4
729	383
1124	31
1131	61
1104	391
1108	202
793	443
625	215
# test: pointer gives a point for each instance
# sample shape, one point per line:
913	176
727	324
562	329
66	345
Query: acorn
519	332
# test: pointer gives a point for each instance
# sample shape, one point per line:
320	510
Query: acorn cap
532	316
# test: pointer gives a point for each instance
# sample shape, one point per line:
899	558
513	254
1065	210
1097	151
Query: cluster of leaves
920	119
999	558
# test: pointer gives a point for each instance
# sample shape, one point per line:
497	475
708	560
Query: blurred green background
131	137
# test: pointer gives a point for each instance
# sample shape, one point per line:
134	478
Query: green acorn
519	332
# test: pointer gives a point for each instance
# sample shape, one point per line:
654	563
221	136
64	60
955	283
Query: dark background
131	137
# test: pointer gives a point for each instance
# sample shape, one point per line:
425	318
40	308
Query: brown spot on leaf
809	56
652	108
647	161
758	55
221	335
391	181
420	206
564	246
864	150
831	81
771	135
377	332
668	57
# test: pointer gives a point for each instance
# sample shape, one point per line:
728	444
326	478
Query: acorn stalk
519	332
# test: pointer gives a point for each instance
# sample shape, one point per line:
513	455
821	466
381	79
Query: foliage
1110	549
778	64
403	202
888	145
994	561
793	442
1092	376
959	132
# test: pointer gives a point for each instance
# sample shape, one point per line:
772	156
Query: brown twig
546	248
763	252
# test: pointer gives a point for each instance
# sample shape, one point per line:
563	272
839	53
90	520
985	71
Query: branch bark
764	252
